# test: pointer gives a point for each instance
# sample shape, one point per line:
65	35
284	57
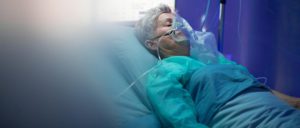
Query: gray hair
145	27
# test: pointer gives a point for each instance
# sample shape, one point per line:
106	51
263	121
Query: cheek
172	46
167	43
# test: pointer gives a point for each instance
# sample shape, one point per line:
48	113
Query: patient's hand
297	105
293	101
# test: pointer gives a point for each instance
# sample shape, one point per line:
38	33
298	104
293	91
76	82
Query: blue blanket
212	86
256	108
229	96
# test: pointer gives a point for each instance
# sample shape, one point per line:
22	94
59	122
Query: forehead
165	17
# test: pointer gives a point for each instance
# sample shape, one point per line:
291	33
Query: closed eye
169	25
169	33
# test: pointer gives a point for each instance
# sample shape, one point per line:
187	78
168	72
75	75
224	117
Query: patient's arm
293	101
172	103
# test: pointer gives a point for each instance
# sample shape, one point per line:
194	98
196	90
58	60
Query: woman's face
167	46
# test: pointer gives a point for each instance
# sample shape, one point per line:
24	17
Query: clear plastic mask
203	45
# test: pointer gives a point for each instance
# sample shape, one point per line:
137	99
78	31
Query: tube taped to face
202	44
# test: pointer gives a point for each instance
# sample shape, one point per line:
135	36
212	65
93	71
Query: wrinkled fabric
213	86
256	108
172	100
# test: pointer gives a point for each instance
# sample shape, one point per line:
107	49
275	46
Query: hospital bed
132	61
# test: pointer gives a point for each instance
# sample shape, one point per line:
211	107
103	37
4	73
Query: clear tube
143	74
264	78
137	79
204	16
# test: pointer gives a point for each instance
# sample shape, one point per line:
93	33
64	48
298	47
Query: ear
152	45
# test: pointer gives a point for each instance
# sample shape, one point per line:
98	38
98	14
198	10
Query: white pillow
131	60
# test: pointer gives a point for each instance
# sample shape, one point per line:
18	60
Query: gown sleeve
171	102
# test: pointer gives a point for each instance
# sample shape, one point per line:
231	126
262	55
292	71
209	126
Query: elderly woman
187	92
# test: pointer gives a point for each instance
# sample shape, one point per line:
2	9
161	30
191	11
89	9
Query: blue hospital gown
173	103
186	93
